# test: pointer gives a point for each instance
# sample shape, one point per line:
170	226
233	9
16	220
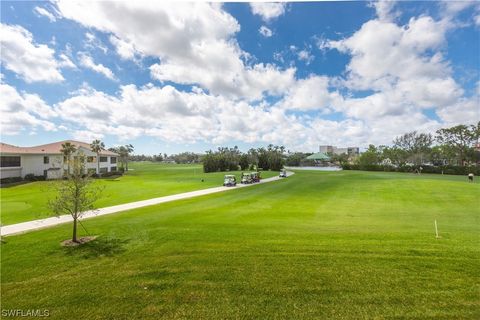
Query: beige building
350	151
47	160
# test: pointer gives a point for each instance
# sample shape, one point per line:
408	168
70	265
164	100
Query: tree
75	195
370	157
460	139
128	148
341	159
396	155
416	145
243	161
67	150
96	147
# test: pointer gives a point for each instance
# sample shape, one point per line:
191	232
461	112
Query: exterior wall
33	164
10	172
326	149
351	151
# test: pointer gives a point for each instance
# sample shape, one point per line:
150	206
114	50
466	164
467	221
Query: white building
47	160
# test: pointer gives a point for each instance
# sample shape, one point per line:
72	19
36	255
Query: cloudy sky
170	77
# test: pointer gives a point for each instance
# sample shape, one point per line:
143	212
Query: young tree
97	146
75	195
67	150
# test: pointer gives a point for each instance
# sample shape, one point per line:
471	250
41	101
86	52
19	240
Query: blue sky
171	77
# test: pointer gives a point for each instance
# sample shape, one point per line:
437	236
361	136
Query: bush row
453	170
31	177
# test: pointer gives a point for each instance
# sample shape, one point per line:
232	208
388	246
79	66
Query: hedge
452	170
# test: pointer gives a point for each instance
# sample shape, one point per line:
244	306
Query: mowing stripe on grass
53	221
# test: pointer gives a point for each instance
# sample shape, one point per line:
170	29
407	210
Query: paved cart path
53	221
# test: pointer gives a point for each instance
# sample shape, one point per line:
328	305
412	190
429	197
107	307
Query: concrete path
53	221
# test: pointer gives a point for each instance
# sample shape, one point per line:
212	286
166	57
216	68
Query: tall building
351	151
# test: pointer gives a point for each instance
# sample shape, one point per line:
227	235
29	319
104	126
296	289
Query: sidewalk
53	221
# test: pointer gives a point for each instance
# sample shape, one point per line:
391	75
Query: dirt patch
80	241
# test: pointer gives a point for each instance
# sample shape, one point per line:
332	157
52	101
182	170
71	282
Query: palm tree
128	148
96	147
67	150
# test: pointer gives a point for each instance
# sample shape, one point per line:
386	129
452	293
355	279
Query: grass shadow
100	247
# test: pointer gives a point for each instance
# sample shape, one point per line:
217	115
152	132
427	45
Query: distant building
350	151
47	160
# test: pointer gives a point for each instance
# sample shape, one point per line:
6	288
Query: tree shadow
100	247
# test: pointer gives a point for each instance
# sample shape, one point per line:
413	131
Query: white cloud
175	116
87	62
44	12
124	49
20	54
310	94
193	41
268	10
65	62
461	112
305	56
266	32
93	43
384	9
23	111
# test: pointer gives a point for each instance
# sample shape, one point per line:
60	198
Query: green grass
146	180
346	245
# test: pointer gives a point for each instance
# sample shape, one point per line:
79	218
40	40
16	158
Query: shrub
10	180
32	177
111	174
452	170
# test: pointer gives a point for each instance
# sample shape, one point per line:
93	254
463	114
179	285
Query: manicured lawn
347	245
147	180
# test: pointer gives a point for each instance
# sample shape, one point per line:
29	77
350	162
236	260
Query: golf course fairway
317	245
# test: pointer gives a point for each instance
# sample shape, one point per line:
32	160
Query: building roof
51	148
318	156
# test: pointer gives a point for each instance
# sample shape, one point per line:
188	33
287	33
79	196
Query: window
103	170
46	160
45	173
91	159
113	169
113	159
103	159
10	161
92	171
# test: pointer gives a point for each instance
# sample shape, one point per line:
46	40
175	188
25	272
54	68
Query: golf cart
229	180
255	176
283	173
246	178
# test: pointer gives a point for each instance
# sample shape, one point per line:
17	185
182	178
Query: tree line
183	157
454	146
232	159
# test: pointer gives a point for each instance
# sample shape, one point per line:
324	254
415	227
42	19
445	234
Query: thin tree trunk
74	237
98	163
